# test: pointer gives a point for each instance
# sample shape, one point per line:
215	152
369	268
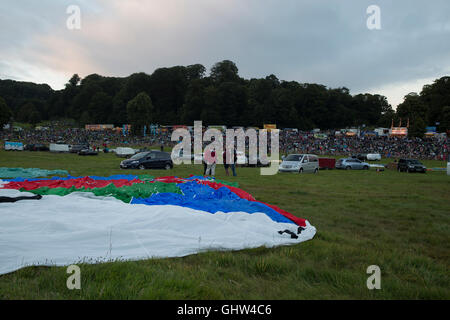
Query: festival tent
125	217
17	146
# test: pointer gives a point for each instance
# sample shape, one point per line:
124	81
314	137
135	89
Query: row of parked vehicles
81	149
154	159
303	163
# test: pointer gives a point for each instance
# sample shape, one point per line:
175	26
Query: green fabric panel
29	172
146	177
231	184
53	191
125	193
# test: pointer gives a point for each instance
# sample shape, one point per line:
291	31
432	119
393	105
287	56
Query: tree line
182	94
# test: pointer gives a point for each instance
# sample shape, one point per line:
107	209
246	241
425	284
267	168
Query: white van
301	163
125	152
373	157
55	147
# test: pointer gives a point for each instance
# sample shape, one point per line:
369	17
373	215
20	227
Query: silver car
301	163
352	164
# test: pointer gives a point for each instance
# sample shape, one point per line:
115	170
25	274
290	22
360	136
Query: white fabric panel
83	227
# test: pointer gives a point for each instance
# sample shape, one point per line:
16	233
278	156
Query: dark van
410	165
148	160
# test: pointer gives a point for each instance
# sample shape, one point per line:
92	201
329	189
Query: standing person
211	163
233	165
204	166
225	164
162	147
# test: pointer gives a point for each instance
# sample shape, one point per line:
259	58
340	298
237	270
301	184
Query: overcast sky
310	41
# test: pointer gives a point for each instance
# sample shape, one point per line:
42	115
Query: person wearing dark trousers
204	167
225	164
233	165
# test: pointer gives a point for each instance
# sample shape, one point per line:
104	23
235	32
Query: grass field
398	221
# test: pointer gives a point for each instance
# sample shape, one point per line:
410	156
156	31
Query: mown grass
398	221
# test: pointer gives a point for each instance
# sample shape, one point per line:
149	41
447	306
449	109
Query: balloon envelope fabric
28	172
129	217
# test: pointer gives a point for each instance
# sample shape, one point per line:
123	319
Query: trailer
327	163
16	146
55	147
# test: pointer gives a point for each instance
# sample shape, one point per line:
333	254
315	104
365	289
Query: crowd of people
73	136
388	147
290	142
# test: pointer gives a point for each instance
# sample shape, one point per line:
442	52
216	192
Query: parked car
87	152
352	164
78	147
360	156
300	163
148	160
410	165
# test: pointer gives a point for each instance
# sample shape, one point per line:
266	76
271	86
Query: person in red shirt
211	163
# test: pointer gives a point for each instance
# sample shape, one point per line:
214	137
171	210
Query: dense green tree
168	88
28	113
224	71
5	113
195	72
412	107
17	93
444	125
436	97
140	113
86	118
183	94
100	106
417	128
194	101
414	110
74	81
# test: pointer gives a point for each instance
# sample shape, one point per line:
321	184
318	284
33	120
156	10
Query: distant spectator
211	163
225	164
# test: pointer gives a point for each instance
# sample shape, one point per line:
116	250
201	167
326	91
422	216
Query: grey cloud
307	41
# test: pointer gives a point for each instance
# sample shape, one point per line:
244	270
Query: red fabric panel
170	180
290	216
77	183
